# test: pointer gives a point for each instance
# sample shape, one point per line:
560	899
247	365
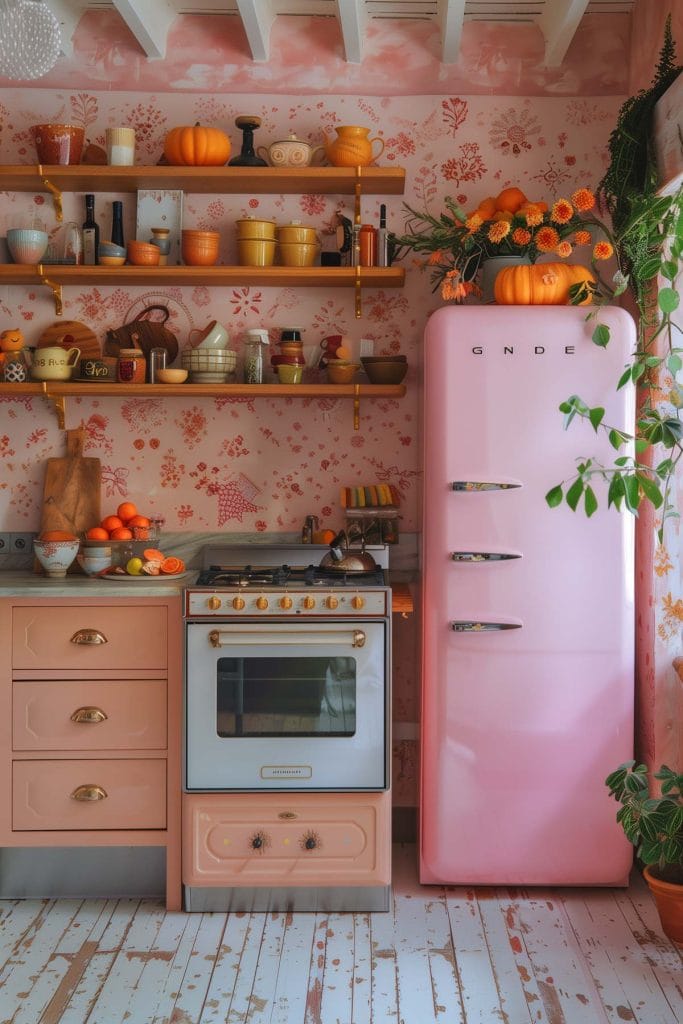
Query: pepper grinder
247	123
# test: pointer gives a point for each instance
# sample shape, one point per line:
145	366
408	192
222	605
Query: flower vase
489	271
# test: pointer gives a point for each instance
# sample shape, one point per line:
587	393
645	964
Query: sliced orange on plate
171	566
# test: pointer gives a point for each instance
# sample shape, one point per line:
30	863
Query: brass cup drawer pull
88	793
88	716
89	637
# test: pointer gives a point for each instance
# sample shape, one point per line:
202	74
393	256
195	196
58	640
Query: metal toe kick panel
332	899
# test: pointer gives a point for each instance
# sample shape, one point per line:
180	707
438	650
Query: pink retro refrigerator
528	631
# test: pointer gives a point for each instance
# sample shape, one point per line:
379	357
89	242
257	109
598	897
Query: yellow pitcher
352	147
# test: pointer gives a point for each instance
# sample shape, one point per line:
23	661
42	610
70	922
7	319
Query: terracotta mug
54	363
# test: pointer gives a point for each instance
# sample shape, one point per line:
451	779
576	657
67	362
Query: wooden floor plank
384	984
197	978
178	968
446	996
21	919
268	971
520	999
415	994
362	970
296	997
476	979
157	963
227	999
337	980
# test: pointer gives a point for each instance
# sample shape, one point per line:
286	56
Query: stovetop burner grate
285	576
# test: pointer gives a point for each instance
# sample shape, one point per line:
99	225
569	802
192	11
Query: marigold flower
498	231
473	223
435	257
602	251
562	212
583	199
533	216
452	287
582	237
520	236
547	239
564	249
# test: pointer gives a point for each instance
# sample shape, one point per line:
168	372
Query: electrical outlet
5	543
21	543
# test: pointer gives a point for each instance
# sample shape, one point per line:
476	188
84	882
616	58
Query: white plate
118	577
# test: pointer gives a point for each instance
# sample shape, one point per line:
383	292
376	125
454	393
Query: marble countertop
28	584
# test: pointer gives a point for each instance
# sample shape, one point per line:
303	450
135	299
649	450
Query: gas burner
245	576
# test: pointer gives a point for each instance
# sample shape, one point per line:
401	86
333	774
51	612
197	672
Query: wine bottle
91	232
117	223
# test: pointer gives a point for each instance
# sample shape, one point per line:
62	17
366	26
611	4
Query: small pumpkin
11	340
539	284
197	146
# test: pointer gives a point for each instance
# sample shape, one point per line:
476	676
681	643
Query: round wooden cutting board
71	334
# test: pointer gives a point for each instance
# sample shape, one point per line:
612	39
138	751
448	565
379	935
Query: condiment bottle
255	339
131	366
367	240
91	232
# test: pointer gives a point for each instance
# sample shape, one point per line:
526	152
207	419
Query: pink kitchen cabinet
90	725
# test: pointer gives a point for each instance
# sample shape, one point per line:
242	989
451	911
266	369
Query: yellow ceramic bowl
255	252
290	373
171	375
111	261
341	372
298	254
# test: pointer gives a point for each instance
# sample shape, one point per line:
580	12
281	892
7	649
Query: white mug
120	146
214	335
54	363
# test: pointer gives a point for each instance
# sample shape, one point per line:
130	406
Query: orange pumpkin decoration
541	284
510	199
197	147
11	340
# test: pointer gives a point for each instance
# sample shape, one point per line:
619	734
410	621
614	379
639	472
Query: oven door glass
271	705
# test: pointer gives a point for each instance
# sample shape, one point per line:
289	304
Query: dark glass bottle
117	223
91	232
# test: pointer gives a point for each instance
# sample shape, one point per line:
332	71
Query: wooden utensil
72	489
71	334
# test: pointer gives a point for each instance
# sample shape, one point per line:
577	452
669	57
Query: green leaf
554	496
616	439
652	361
631	492
668	300
650	489
637	371
595	416
642	444
615	492
669	269
625	378
622	460
674	363
574	493
601	335
664	468
649	268
590	502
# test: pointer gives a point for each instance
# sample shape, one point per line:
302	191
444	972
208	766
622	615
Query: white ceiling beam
451	18
68	14
149	23
257	17
353	19
559	22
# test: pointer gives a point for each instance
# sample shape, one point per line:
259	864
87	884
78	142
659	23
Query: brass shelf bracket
357	292
54	191
56	290
356	406
357	222
59	404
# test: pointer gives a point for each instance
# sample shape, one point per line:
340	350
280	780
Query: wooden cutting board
71	334
72	489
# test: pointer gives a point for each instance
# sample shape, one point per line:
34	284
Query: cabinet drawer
89	637
133	795
261	839
134	711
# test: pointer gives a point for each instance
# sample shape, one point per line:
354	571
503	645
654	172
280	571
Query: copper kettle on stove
341	558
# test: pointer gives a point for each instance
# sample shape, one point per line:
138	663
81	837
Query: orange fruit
153	555
111	523
172	565
121	533
96	533
487	208
510	199
137	520
503	215
57	535
139	532
126	511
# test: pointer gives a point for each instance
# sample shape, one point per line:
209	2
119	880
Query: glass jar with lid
254	341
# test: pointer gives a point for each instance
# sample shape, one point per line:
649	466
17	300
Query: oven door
297	706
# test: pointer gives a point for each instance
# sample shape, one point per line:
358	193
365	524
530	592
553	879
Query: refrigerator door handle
484	485
471	626
483	556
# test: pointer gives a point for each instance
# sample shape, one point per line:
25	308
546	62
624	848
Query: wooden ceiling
557	20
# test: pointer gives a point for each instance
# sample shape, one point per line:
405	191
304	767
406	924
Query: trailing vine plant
648	242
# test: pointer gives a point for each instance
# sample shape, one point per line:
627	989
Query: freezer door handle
484	485
483	556
470	626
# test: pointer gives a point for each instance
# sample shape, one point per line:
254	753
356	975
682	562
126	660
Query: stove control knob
213	603
357	601
331	602
238	603
285	602
262	602
308	602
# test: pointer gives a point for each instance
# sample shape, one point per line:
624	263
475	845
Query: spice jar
367	239
254	341
131	366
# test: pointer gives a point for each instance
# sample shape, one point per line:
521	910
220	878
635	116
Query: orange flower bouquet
455	243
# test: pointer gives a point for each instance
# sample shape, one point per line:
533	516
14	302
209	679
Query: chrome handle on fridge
483	485
261	638
483	556
470	626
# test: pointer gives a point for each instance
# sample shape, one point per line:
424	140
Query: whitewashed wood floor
448	955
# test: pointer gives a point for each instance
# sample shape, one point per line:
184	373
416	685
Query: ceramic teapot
11	340
352	147
290	152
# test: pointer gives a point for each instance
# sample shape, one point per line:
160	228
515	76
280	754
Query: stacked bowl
26	245
199	248
298	245
209	366
255	242
385	369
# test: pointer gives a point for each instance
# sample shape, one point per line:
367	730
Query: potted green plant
654	825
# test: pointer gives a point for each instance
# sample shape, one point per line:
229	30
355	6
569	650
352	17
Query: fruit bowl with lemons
124	544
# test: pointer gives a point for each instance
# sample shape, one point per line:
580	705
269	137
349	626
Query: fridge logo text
508	350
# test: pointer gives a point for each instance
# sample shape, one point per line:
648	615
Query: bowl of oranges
125	532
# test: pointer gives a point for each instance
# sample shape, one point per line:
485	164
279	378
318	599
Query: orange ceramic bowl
142	254
199	248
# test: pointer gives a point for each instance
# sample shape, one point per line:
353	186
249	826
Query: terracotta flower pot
669	899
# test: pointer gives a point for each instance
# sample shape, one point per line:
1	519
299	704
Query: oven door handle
262	638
